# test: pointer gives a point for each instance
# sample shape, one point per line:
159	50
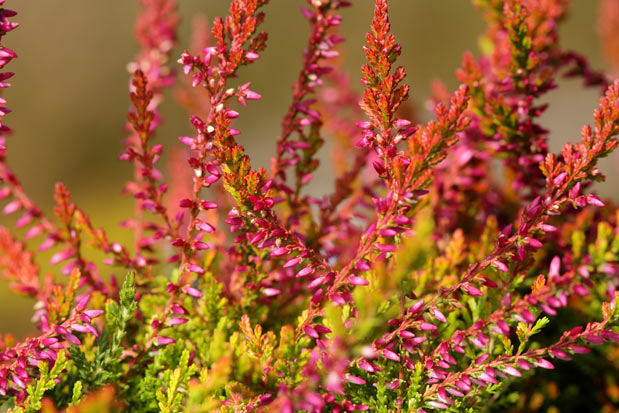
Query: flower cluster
428	280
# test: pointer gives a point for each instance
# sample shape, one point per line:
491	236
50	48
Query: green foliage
102	363
47	381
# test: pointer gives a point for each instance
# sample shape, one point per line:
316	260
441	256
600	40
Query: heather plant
459	265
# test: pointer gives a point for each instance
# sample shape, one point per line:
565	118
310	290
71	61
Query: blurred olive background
70	98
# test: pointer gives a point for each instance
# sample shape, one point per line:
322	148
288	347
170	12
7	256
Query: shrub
456	262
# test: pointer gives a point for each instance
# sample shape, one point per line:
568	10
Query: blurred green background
70	98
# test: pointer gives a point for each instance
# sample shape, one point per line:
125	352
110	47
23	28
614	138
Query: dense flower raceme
424	282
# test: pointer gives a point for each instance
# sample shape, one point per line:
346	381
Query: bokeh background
69	96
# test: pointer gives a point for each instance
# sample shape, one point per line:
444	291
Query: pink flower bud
305	271
271	292
406	334
354	379
471	290
310	331
482	359
559	179
438	315
427	327
12	207
93	313
416	307
500	266
292	262
355	280
594	339
390	355
545	364
194	292
176	321
61	256
195	268
72	339
532	242
367	366
594	201
362	265
162	340
317	282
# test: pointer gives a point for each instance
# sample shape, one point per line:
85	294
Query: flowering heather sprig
147	190
156	32
483	371
410	172
563	186
301	118
383	300
67	315
522	67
